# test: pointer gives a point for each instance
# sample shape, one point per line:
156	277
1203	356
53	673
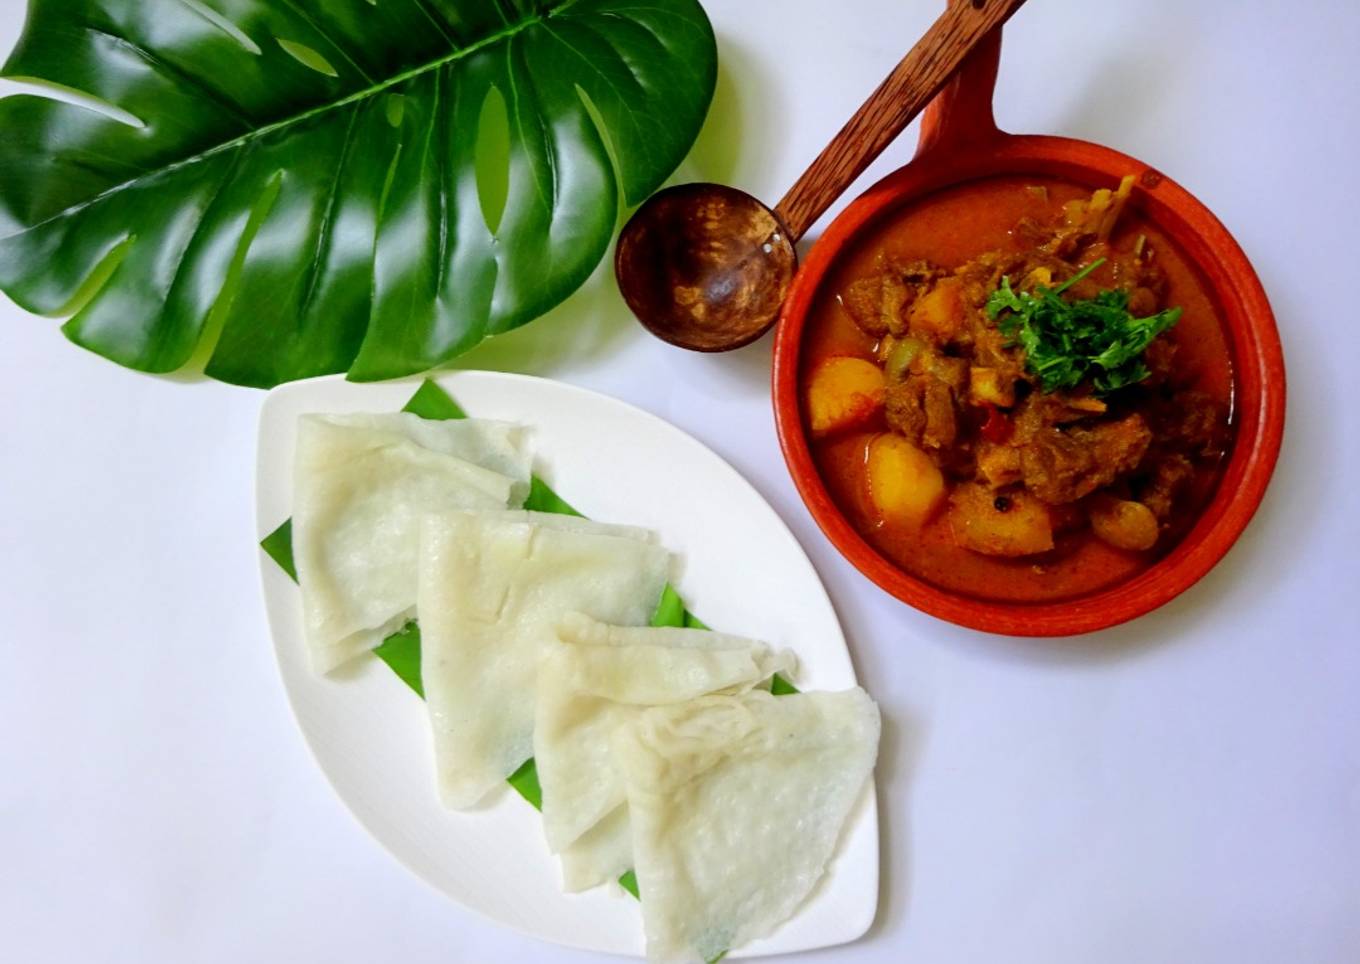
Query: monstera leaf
299	186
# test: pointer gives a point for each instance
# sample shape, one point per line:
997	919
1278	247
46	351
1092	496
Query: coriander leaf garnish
1080	275
1068	341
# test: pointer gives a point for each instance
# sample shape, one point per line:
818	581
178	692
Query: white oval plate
743	572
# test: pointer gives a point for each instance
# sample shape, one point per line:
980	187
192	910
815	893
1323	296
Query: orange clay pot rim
1246	317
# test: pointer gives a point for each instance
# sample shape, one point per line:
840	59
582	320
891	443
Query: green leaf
543	499
694	622
629	883
1067	342
278	545
295	187
670	611
1080	275
432	402
401	652
525	782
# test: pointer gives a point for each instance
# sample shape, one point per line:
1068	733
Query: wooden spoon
707	267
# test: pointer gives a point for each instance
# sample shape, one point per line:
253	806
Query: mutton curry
1018	389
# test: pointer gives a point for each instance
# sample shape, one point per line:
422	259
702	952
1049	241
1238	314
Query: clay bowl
960	142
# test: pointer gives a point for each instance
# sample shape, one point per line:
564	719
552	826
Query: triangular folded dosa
596	678
492	588
736	804
361	485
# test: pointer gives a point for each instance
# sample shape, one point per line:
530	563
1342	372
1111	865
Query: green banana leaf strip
544	499
278	545
401	650
287	188
432	402
525	782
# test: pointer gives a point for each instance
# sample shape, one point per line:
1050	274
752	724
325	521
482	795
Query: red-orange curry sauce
927	534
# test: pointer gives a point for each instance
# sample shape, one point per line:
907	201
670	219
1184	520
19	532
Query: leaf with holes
290	188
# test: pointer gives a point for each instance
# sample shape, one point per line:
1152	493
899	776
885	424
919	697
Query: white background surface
1185	788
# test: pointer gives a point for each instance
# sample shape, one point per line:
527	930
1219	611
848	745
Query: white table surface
1185	788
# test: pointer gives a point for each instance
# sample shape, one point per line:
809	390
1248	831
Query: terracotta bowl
960	142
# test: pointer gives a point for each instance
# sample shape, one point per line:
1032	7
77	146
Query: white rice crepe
736	804
492	588
361	485
596	678
601	854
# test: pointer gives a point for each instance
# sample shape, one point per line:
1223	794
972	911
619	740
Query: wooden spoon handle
919	77
962	111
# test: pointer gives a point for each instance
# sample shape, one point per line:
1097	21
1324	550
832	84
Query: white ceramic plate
743	572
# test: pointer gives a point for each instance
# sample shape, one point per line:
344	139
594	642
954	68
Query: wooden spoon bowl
705	267
959	143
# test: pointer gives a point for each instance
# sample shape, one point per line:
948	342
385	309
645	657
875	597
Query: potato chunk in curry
905	486
843	392
1011	523
938	314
